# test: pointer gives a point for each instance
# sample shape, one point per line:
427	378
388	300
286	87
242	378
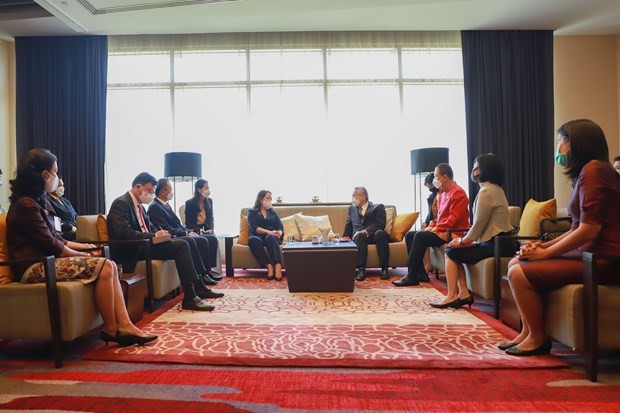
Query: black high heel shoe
545	348
105	337
467	301
127	339
451	304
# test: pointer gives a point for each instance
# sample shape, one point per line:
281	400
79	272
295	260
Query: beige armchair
52	311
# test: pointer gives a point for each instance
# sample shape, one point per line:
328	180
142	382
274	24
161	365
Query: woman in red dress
593	206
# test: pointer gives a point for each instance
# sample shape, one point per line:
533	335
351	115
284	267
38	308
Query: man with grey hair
366	225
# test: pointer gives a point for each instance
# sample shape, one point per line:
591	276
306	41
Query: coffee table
320	267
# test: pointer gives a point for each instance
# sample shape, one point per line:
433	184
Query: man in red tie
162	216
128	220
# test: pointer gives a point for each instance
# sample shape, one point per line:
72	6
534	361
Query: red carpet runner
259	323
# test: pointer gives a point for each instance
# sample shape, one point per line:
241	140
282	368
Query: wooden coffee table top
307	245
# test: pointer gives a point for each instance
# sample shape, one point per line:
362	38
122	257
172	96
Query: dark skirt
471	254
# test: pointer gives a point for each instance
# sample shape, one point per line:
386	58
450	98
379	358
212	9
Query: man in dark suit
163	217
366	225
64	211
128	220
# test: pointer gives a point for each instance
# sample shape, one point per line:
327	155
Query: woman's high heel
105	337
469	300
451	304
127	339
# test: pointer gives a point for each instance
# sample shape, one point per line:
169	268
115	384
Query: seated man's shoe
384	274
196	304
207	293
361	274
208	280
214	276
406	281
424	278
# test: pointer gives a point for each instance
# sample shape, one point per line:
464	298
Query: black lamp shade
182	166
426	159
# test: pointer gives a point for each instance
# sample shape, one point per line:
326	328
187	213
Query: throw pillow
402	224
390	213
290	227
102	228
533	213
6	276
309	226
244	231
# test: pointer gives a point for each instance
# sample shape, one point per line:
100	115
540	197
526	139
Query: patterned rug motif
260	323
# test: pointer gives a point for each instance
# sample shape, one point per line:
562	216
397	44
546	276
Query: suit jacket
123	224
64	211
165	218
191	215
373	221
30	231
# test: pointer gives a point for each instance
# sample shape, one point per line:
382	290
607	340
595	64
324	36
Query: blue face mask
561	159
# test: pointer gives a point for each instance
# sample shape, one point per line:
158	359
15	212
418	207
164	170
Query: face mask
266	204
437	183
561	159
355	202
170	196
51	184
206	193
146	198
60	191
475	178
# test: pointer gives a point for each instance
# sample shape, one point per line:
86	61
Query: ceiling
112	17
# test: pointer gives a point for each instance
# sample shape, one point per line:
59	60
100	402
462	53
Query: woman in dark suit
64	210
199	216
31	233
266	230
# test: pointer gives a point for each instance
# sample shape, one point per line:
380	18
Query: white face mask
436	183
266	204
146	198
51	184
170	196
60	191
355	202
206	193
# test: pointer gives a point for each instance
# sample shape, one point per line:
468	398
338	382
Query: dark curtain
508	79
61	106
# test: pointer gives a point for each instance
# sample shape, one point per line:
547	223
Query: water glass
336	238
291	239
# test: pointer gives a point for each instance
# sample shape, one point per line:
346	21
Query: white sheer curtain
300	114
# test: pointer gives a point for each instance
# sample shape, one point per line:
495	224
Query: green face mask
561	159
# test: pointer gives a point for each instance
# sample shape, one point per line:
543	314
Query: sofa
239	256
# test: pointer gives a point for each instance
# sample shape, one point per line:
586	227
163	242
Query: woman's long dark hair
28	177
197	195
259	198
490	169
587	143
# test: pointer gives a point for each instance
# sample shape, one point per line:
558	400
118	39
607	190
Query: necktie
361	213
142	220
168	207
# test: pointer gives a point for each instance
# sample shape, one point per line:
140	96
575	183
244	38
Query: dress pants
213	249
200	253
417	243
179	251
257	246
381	239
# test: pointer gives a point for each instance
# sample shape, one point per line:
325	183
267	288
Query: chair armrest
228	244
26	261
451	230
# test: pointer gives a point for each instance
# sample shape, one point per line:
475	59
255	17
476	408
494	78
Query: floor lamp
423	162
182	167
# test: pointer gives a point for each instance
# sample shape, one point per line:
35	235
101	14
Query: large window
297	121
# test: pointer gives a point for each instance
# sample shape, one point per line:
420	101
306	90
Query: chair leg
54	309
590	317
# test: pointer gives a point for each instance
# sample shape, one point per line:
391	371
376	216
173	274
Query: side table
134	291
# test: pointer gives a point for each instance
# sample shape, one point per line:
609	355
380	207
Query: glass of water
336	238
291	239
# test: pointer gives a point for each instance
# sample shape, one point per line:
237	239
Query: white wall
7	117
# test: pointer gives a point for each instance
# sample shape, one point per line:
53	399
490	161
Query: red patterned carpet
259	323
